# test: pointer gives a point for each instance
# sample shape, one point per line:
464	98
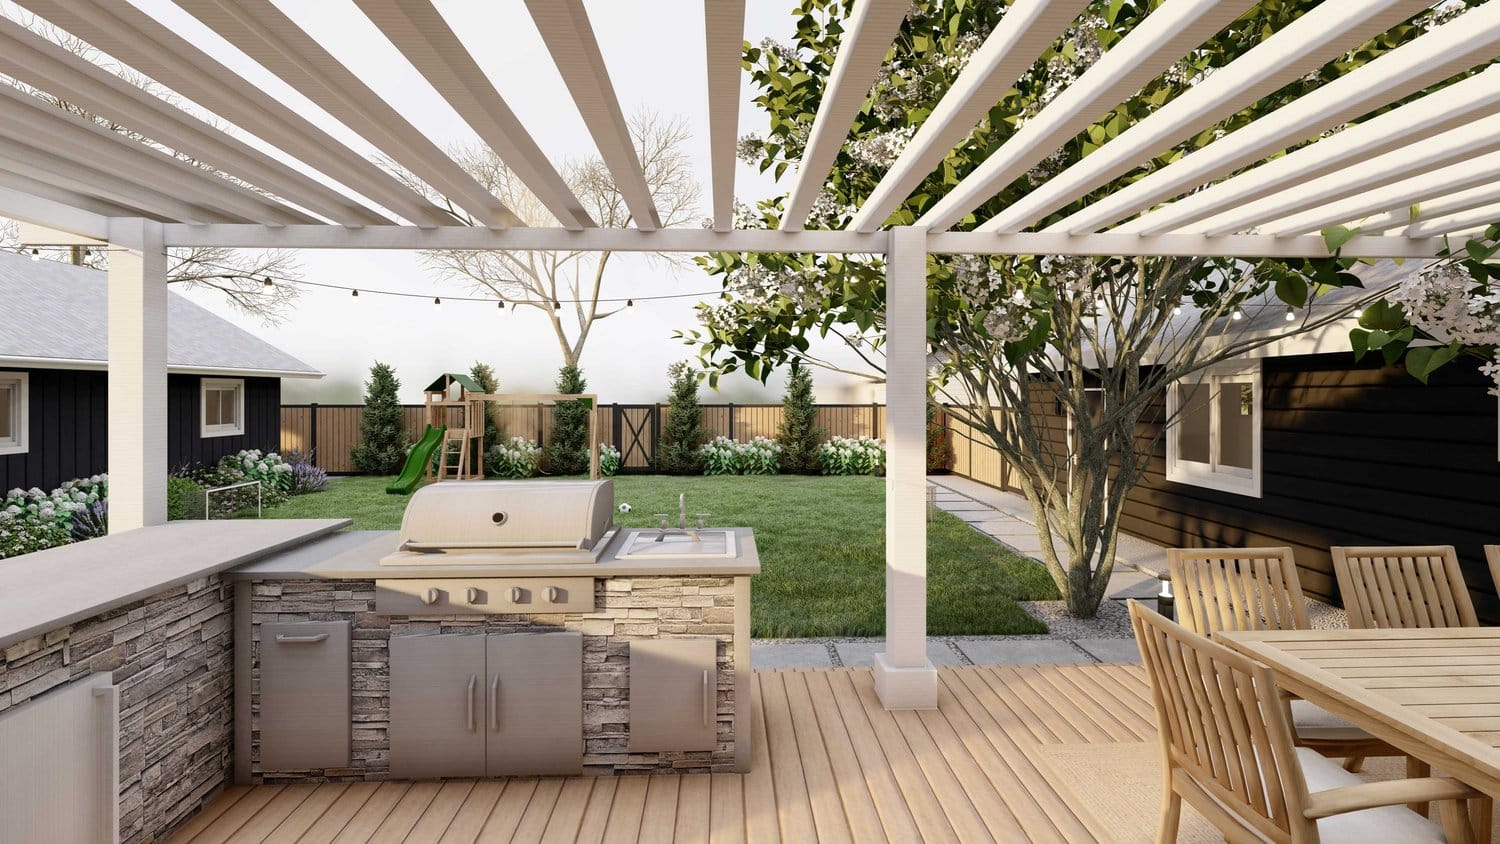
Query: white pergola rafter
724	33
37	200
34	60
130	35
866	40
565	28
263	32
1437	226
72	175
417	29
1165	35
1302	46
1471	39
1433	212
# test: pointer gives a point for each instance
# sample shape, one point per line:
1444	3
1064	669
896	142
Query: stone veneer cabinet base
626	608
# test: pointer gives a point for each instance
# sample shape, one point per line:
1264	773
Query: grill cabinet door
673	694
535	704
304	695
437	706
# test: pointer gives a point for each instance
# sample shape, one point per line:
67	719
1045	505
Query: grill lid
508	514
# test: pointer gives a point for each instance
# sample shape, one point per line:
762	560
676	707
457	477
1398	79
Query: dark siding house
223	383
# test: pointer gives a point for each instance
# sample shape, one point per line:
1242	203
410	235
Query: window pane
230	408
1236	424
7	412
1192	422
211	414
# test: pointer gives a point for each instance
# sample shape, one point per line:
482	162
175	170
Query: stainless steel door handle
473	681
290	639
707	698
495	703
431	596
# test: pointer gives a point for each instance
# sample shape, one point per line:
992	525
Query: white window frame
1208	475
19	442
236	429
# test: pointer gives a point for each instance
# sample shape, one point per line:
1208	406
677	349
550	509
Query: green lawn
821	545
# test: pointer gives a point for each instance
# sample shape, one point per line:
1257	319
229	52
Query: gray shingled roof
50	309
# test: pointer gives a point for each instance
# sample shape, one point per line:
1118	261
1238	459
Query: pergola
68	174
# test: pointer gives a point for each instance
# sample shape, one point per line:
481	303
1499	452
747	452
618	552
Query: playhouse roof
447	378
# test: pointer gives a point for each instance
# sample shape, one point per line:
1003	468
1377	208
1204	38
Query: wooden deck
829	764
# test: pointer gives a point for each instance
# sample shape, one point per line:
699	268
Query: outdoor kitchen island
509	628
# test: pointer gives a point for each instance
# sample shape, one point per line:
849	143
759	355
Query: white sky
654	51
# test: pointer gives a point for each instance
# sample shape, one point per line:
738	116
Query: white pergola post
904	677
137	374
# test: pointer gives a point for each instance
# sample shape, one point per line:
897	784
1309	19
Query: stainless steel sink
710	543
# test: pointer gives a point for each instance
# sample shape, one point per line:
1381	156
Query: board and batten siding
1352	454
69	429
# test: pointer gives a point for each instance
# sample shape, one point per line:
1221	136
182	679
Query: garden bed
822	548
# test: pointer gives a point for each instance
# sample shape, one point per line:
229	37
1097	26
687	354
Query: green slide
416	462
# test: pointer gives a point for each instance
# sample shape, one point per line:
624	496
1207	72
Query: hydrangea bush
274	473
724	456
33	520
852	456
517	457
609	460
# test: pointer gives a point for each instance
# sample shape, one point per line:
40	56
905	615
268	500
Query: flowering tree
1017	335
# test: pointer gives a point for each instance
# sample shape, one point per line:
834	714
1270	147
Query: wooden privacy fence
331	431
974	457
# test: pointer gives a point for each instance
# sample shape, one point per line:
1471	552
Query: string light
354	294
436	301
1238	314
1291	313
266	282
36	255
556	305
629	303
1177	311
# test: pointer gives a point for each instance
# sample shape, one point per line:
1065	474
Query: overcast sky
654	51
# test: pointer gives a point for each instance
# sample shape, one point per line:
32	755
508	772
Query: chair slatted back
1236	589
1403	587
1223	726
1492	556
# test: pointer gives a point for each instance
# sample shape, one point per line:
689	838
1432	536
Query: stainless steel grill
490	522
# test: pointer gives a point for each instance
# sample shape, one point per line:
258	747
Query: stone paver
790	655
1111	650
859	654
1021	651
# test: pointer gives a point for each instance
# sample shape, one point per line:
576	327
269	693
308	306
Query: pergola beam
125	32
1303	45
1159	41
1433	210
32	201
724	35
698	241
1025	32
565	29
419	31
263	32
1451	49
79	177
1476	218
867	38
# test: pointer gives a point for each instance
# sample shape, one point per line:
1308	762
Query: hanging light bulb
354	294
556	305
502	306
36	254
436	301
1177	311
1238	314
1291	313
1358	312
629	303
266	282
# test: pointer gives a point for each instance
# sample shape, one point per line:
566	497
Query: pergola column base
905	687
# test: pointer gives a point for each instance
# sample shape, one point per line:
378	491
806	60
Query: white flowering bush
517	457
274	473
852	456
32	520
609	460
724	456
1449	304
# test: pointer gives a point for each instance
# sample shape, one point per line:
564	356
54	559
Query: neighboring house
224	384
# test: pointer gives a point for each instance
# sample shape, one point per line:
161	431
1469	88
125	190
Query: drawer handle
495	703
431	596
291	639
707	698
471	595
473	681
553	594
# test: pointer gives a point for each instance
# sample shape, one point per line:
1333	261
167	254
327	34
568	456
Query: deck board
828	763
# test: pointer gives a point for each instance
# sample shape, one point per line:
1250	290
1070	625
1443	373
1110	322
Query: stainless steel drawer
484	595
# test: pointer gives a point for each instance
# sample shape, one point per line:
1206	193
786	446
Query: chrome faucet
664	529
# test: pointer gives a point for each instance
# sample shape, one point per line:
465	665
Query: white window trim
1193	473
20	441
232	430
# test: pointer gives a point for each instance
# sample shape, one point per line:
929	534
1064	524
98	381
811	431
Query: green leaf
1422	361
1336	236
1292	290
1359	340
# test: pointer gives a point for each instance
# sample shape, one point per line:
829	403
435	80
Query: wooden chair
1492	555
1258	589
1403	587
1227	750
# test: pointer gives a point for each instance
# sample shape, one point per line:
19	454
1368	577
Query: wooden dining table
1432	693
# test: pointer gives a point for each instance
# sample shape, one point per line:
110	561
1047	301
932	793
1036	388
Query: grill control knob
516	593
431	596
471	595
553	594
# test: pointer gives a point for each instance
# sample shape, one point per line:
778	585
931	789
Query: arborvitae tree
799	435
383	441
568	452
683	431
484	376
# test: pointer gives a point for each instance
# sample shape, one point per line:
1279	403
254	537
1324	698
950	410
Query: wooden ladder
457	469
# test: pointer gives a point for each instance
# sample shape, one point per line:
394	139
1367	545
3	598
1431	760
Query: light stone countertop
355	555
47	590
